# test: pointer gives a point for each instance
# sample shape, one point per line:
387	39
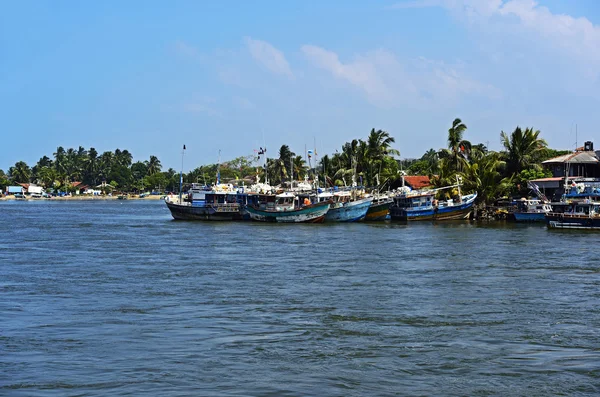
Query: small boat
583	214
122	197
286	208
422	206
532	210
219	203
20	196
379	209
344	208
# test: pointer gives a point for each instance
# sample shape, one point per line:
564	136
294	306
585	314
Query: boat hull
378	212
556	221
204	213
349	212
455	212
314	213
529	216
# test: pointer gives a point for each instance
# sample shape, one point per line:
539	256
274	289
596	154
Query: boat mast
181	175
219	168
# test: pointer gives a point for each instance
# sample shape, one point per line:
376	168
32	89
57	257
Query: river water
115	298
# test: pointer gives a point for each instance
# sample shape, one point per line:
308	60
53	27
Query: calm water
115	298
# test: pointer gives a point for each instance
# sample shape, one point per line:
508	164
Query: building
417	182
583	165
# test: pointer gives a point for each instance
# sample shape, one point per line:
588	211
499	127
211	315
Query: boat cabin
532	205
421	201
581	208
285	202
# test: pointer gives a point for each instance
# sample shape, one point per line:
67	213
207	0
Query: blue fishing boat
584	214
344	208
531	210
286	208
422	206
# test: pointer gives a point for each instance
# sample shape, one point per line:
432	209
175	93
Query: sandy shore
84	198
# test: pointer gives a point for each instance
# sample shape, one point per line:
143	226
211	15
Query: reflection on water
111	298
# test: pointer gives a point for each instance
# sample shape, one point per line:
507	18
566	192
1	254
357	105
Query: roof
417	182
25	185
574	158
75	184
558	178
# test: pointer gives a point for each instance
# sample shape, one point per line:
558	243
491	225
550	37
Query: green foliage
4	181
522	149
19	173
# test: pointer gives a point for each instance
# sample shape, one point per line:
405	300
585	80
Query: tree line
371	162
95	170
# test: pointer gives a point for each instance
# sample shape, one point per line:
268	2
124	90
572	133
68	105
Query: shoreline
82	198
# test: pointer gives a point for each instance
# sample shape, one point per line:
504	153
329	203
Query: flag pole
181	176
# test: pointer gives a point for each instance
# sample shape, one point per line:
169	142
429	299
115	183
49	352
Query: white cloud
269	56
558	34
389	82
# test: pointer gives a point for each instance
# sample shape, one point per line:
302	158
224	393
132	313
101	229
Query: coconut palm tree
153	165
458	148
484	177
20	172
59	160
379	146
92	166
522	149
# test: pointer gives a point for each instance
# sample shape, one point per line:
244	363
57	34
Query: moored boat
583	214
220	203
531	210
379	209
422	206
344	208
285	208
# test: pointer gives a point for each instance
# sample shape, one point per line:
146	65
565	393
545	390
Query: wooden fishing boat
219	203
344	208
422	206
379	209
285	208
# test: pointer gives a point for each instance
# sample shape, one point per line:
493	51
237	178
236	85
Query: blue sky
150	76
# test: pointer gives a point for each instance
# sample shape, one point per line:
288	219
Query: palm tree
92	166
431	157
153	165
484	177
123	158
458	148
378	146
299	167
105	165
20	172
59	160
47	176
522	149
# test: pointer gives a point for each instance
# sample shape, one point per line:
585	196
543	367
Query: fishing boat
217	203
422	206
344	208
531	210
575	214
379	209
286	208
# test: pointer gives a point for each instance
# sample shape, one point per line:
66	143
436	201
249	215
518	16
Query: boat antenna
181	175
